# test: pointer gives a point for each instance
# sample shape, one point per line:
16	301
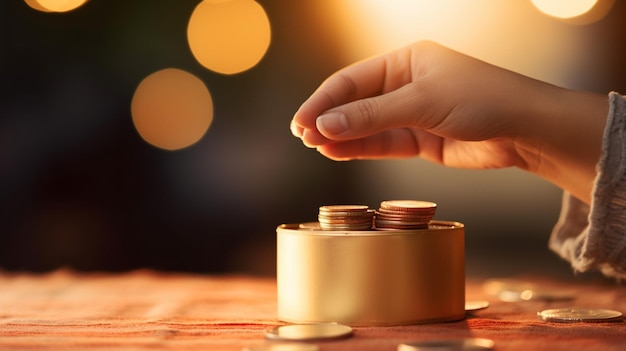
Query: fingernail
332	123
295	130
305	140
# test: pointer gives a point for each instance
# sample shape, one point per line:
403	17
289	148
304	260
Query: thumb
369	116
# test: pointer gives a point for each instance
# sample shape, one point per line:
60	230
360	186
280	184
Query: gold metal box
367	278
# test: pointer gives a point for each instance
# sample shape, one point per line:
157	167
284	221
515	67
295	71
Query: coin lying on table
472	306
282	347
469	344
573	315
308	332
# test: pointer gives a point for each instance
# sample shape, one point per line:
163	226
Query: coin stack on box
391	215
345	217
361	267
404	214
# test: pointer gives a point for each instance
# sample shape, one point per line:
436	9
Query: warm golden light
55	5
35	5
511	34
228	36
172	109
575	11
564	8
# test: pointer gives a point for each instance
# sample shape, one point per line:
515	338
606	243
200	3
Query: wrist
562	140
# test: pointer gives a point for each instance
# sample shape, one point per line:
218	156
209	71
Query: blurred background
89	180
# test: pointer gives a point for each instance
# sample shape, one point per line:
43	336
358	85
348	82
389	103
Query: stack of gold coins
404	214
345	217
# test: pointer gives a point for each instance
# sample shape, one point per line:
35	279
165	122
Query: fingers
360	81
403	107
392	143
410	142
357	81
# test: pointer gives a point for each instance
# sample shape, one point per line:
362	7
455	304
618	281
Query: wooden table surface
148	310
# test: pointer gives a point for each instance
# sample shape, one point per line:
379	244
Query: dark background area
79	188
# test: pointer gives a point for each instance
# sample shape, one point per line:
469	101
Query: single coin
345	220
406	211
398	222
423	219
308	332
379	226
471	306
282	347
469	344
343	208
572	315
407	205
383	224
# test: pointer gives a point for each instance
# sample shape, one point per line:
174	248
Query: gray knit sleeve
594	237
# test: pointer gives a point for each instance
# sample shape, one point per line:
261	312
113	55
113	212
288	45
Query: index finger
361	80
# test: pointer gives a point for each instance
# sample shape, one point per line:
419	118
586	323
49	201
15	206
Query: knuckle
368	111
348	85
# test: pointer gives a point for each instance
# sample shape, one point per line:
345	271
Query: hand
429	101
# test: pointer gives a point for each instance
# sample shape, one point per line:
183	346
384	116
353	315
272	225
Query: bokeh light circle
55	5
34	4
564	8
228	36
172	109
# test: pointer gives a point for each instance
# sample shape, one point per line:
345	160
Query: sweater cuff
594	237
